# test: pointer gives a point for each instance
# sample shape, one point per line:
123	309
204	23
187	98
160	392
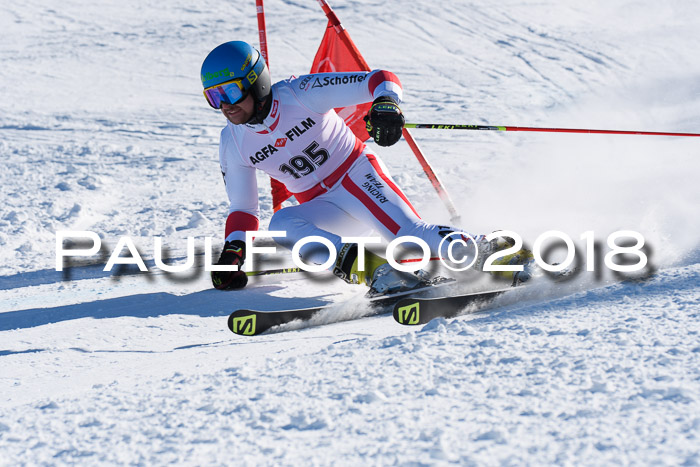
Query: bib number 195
299	166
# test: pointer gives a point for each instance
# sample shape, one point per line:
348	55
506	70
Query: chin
236	120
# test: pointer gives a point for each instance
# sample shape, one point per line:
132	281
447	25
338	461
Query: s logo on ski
409	314
245	325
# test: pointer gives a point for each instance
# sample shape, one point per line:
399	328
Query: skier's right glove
385	121
232	254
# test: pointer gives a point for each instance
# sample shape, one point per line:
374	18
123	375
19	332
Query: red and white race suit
343	189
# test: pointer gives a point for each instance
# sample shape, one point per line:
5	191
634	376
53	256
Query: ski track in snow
103	128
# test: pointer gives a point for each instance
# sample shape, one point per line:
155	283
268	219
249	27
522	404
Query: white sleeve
321	92
241	184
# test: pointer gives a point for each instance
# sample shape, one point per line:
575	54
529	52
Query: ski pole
439	126
271	272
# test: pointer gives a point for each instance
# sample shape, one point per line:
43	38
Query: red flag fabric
335	54
280	194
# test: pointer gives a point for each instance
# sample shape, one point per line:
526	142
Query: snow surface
103	128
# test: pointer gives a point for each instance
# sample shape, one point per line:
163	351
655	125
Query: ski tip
407	312
243	323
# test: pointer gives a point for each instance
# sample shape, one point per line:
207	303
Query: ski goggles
230	92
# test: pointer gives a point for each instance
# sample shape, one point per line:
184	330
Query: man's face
239	113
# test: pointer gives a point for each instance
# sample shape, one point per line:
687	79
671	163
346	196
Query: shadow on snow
206	303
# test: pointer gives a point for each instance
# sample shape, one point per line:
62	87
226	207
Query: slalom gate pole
271	272
275	186
439	126
262	31
429	172
432	176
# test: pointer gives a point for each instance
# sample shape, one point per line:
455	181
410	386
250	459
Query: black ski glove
232	254
385	121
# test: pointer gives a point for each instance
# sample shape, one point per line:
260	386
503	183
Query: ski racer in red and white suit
337	180
290	131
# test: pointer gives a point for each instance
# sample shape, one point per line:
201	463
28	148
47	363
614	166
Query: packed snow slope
103	127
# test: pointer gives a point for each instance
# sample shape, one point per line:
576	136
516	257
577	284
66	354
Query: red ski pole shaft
439	126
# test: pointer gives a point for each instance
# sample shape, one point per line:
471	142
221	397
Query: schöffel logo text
332	81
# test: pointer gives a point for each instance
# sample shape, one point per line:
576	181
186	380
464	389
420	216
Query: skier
290	131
